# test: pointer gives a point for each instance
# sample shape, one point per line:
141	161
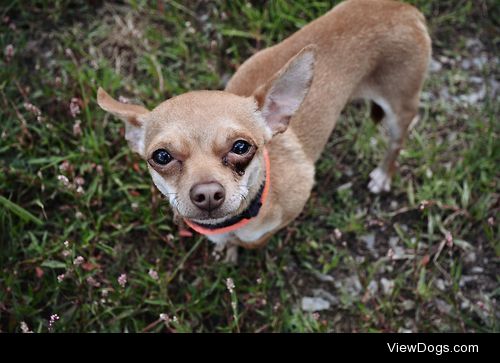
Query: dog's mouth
217	216
245	212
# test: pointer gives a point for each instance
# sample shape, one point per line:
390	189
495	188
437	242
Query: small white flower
78	261
424	204
64	181
25	328
52	320
61	277
32	108
230	285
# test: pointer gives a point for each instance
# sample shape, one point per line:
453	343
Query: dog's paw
231	255
380	181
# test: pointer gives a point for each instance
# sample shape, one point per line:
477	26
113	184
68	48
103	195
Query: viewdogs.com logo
437	349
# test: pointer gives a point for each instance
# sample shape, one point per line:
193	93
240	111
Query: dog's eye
162	157
240	147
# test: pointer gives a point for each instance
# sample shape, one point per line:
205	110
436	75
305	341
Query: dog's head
204	148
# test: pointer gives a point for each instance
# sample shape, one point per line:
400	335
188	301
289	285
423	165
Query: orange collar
245	217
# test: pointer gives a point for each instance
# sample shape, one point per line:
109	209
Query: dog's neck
243	218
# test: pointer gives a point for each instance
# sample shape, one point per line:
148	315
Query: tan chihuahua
238	165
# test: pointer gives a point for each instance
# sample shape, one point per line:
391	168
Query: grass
434	263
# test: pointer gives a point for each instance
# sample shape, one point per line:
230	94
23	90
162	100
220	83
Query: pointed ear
280	98
130	114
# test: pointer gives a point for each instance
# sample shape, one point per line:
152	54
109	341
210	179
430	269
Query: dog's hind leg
399	117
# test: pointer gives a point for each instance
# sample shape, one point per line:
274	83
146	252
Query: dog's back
375	49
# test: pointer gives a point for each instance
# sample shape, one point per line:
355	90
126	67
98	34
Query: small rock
466	64
323	277
422	246
476	80
369	240
321	293
314	304
404	330
443	306
440	284
494	86
345	186
474	97
387	285
393	241
465	304
435	66
351	285
464	280
477	270
480	62
372	287
470	257
408	305
360	259
399	253
474	43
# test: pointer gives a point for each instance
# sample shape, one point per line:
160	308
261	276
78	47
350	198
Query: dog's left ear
130	114
280	98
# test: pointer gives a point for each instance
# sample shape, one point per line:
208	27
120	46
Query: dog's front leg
231	252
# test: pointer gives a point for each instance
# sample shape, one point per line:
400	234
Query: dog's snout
207	196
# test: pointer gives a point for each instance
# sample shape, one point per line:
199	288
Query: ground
87	244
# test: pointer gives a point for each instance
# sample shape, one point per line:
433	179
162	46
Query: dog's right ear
130	114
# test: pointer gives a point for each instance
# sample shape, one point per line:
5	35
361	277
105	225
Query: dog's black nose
207	196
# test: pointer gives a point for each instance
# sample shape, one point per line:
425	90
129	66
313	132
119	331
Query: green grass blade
19	211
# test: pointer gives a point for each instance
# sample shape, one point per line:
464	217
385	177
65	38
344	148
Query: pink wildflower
153	274
122	280
74	106
9	52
